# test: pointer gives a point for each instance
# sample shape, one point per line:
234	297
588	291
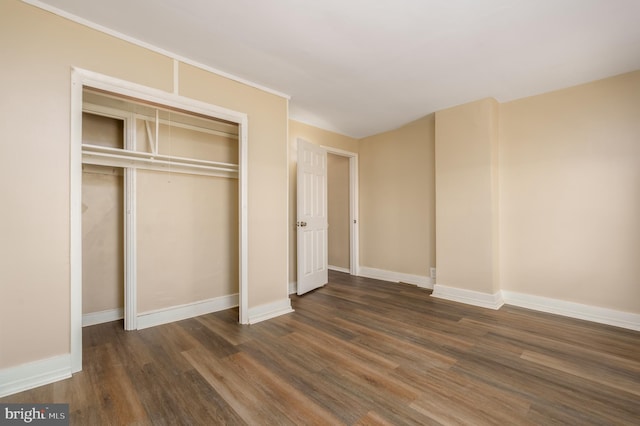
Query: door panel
312	222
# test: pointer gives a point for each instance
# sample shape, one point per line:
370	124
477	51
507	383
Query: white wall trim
148	46
75	222
243	205
188	310
100	317
381	274
339	269
269	310
130	232
33	374
573	310
470	297
176	76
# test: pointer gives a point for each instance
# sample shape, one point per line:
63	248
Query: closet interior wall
102	222
187	248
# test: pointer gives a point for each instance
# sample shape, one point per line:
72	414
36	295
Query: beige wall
467	196
397	228
564	222
319	137
570	202
338	210
39	50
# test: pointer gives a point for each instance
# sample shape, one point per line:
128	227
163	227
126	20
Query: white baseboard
339	269
34	374
573	310
189	310
293	287
269	310
100	317
381	274
470	297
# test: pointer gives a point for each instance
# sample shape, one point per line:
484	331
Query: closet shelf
107	156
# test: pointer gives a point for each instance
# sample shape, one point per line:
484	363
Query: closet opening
158	207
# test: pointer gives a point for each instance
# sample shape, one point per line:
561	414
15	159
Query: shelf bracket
153	142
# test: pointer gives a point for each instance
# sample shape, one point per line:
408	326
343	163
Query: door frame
80	79
354	243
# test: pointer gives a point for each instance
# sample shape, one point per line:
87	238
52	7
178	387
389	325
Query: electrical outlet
432	272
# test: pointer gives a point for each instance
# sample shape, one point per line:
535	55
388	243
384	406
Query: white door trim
81	78
130	231
354	260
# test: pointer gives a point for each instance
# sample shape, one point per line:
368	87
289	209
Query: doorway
342	176
312	216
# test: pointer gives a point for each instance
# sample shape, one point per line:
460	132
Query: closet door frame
81	79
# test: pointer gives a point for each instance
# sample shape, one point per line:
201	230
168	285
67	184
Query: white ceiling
360	67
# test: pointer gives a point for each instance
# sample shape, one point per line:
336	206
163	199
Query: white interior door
312	221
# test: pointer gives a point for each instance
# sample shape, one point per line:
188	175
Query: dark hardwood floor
358	351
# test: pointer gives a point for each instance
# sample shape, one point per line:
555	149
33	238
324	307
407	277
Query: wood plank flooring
357	352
